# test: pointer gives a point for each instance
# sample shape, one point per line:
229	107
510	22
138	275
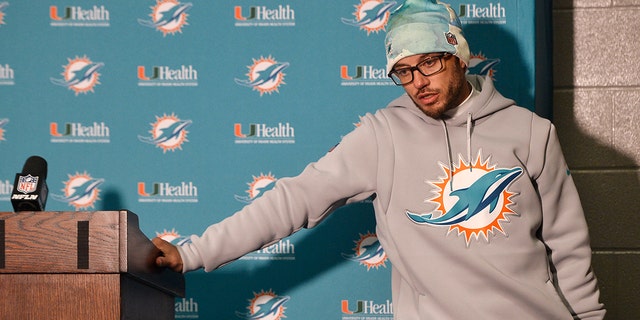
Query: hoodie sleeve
564	228
345	174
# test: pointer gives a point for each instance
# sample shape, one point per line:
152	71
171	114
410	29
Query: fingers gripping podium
82	265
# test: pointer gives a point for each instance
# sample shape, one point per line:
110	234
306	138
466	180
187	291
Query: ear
461	63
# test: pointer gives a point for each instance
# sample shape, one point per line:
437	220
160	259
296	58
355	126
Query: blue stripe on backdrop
168	116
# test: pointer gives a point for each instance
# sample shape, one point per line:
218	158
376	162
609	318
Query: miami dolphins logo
368	252
3	5
80	75
479	64
472	199
371	15
257	187
265	75
172	236
3	122
265	306
167	16
80	191
168	133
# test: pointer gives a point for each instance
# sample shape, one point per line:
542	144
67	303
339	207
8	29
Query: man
475	206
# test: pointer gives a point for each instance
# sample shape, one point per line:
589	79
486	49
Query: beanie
424	26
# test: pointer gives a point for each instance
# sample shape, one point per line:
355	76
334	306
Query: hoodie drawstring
469	140
448	144
446	139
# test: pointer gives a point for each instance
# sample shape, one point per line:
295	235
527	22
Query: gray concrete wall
596	109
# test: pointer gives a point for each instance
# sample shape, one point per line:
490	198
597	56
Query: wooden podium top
82	242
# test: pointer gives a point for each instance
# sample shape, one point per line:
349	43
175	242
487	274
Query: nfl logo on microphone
27	184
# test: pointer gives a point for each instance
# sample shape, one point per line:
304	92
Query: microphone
30	187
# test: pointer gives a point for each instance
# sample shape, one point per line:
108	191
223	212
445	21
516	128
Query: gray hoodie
477	213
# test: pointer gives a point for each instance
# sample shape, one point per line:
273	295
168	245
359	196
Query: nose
419	80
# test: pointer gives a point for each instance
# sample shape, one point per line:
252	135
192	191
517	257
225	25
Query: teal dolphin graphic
168	16
373	250
370	15
484	192
79	75
3	5
80	191
261	191
265	75
268	308
483	67
167	133
3	122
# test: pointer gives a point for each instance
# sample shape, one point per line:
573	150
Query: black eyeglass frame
412	69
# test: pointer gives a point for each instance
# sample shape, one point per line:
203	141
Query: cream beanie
424	26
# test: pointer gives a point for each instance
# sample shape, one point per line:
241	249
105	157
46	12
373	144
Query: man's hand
169	256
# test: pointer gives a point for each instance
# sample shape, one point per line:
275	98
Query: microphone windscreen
35	166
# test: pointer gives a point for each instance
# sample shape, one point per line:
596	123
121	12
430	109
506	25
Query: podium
82	265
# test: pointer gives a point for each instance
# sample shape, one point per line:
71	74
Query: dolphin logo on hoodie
484	193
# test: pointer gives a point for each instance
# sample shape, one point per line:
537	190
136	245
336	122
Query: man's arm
565	232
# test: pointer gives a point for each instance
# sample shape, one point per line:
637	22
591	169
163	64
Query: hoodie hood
487	102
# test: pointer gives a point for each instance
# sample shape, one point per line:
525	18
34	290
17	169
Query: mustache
425	91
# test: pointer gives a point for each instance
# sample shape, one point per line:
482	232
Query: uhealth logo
3	6
165	192
80	75
265	75
364	75
167	16
257	133
6	188
371	15
493	13
80	191
3	123
76	16
168	133
368	308
265	305
368	252
165	76
76	132
263	16
6	72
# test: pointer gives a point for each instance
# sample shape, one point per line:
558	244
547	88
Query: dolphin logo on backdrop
167	16
257	187
265	306
80	75
173	236
80	191
168	133
472	199
371	15
368	252
3	123
482	66
3	6
265	75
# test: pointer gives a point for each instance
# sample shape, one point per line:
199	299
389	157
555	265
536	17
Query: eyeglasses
426	67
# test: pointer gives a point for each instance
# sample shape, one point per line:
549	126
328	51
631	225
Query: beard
453	94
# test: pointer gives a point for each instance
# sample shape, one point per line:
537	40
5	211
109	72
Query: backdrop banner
185	111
